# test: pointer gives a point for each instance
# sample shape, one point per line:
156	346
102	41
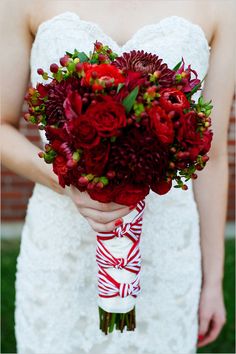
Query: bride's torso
122	19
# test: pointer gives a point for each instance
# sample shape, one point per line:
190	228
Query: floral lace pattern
56	306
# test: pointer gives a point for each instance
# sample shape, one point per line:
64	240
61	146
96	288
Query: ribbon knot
122	230
121	263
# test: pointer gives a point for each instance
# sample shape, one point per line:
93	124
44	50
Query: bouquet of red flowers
116	128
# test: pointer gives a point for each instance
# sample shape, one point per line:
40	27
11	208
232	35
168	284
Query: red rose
129	194
83	134
187	131
96	159
101	75
161	125
106	116
173	100
72	105
193	141
206	141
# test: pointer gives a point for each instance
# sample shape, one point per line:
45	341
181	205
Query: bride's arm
18	153
211	187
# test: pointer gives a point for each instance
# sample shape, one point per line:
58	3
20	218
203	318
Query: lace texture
56	303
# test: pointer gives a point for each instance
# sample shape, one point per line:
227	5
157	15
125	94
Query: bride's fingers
104	217
98	227
215	327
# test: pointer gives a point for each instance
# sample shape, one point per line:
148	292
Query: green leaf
129	100
119	87
177	66
82	57
69	54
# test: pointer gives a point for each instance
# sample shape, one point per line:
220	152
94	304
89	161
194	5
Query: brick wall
16	190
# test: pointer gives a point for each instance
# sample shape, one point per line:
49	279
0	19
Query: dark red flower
106	117
185	81
173	100
145	63
96	159
193	141
57	93
98	76
83	133
104	195
161	124
72	105
161	187
60	169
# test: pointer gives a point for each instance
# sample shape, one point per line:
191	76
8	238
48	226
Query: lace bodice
56	272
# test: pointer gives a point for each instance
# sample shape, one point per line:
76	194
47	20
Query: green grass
224	344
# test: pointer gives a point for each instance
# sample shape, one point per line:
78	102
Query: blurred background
15	194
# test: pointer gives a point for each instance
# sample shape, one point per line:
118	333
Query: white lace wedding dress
56	305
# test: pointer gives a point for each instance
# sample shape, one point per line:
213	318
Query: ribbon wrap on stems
119	264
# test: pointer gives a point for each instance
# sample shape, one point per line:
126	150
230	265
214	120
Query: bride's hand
102	217
212	314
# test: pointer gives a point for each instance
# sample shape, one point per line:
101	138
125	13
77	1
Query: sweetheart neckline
140	30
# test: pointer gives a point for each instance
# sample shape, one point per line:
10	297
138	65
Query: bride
181	306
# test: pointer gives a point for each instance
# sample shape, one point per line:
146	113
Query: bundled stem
109	321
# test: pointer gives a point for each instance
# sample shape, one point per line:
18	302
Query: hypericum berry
193	175
205	158
54	68
111	174
78	67
83	181
94	75
102	57
84	100
199	167
41	154
201	115
99	185
91	185
172	164
184	187
64	60
27	117
40	71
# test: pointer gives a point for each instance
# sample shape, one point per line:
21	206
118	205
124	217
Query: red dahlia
57	93
146	63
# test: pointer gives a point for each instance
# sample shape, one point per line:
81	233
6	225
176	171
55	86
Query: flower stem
109	321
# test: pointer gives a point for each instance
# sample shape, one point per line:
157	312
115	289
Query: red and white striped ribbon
109	287
131	230
131	263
